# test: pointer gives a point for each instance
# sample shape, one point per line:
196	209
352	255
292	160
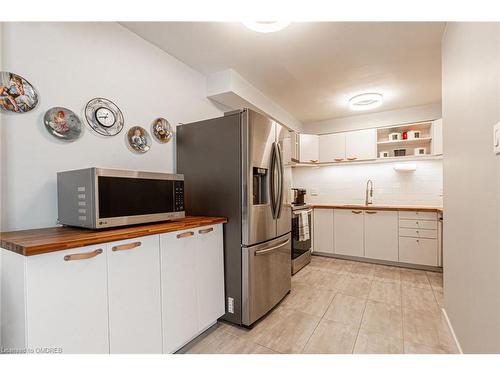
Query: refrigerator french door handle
280	179
272	178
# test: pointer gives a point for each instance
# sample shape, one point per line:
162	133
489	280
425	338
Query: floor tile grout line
361	321
317	324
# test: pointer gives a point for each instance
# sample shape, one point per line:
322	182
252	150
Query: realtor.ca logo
41	350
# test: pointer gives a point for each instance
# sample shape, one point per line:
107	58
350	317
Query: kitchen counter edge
378	207
46	240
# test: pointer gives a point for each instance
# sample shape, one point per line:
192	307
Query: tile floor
339	306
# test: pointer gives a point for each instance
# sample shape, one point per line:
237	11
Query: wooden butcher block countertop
46	240
376	207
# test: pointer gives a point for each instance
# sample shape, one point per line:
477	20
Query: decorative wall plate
16	94
104	117
162	130
63	123
139	139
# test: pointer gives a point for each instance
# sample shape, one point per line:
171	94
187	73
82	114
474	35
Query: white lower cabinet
192	283
348	232
381	235
151	294
418	251
134	296
323	230
66	301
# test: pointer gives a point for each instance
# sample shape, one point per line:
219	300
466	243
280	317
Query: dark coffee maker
298	196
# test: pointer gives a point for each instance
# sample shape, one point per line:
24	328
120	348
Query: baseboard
458	348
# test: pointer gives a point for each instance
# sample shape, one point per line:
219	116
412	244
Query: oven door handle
271	249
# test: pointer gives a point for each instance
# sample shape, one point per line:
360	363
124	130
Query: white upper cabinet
66	302
348	232
361	145
437	137
309	148
381	235
332	147
134	296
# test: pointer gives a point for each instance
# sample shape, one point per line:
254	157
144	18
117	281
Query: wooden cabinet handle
205	231
313	160
127	246
356	212
352	158
338	159
371	212
185	234
81	256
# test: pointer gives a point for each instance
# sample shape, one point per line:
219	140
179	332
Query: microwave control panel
179	195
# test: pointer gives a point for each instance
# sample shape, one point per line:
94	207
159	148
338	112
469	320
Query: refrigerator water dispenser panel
260	184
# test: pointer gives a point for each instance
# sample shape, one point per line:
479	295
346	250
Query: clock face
105	117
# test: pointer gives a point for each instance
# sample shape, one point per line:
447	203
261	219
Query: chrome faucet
369	193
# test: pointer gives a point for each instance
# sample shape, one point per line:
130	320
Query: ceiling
312	69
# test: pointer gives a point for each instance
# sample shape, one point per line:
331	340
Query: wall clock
104	116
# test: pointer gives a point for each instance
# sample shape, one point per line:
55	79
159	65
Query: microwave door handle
280	180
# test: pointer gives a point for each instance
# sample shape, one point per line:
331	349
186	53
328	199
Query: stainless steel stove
301	250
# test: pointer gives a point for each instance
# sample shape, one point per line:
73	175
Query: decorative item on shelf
400	152
413	134
383	154
104	116
138	139
394	136
16	94
420	151
405	135
162	130
63	123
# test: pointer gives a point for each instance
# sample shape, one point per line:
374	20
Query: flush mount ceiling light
266	26
365	101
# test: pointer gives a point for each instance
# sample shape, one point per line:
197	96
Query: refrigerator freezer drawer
266	277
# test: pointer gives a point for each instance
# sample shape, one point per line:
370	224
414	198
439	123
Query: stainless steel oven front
102	198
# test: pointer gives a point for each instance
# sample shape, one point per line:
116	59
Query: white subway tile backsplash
345	184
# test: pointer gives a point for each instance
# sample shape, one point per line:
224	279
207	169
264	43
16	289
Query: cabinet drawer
414	215
418	224
419	233
418	251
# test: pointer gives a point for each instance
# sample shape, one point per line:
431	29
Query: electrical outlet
496	138
230	305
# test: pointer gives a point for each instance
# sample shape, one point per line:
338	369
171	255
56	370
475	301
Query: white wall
70	63
229	88
376	120
346	184
471	105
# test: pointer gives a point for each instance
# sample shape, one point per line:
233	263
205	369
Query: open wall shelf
408	145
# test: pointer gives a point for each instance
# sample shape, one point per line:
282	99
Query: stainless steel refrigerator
233	166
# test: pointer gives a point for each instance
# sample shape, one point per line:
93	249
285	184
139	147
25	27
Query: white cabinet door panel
418	251
361	144
309	148
323	230
134	295
67	303
381	235
210	275
178	282
332	147
348	232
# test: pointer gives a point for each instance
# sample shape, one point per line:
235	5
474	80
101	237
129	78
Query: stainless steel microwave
102	198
